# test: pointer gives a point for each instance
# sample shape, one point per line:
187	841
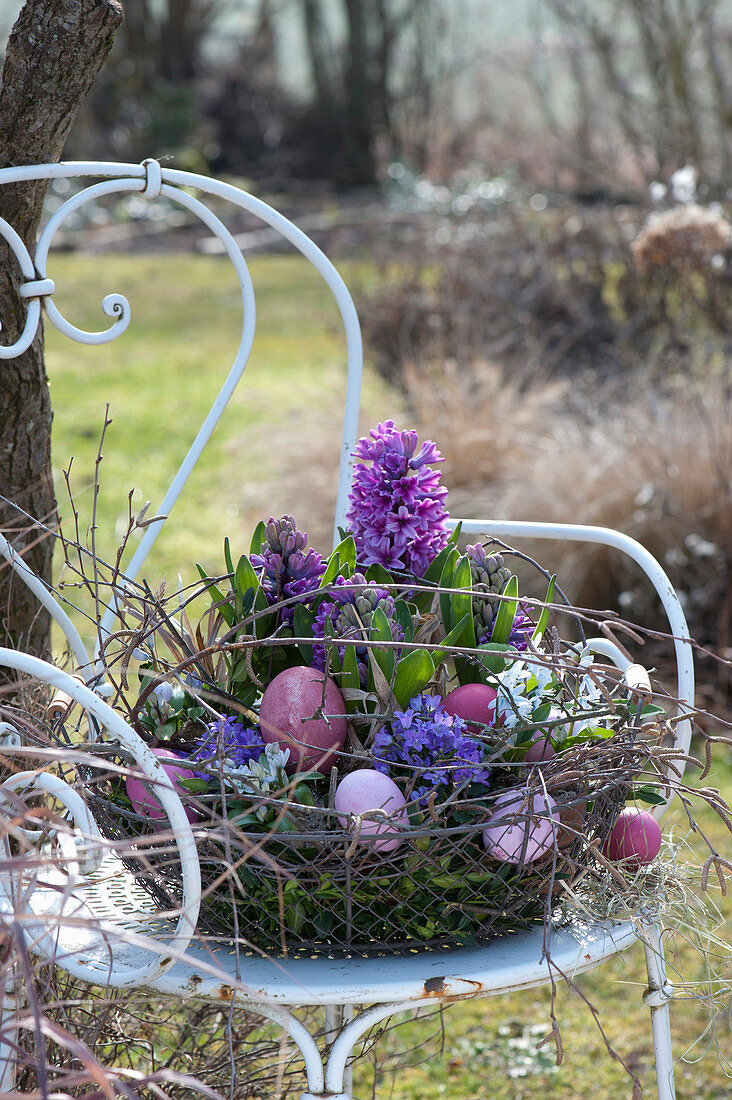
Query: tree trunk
316	45
54	53
361	139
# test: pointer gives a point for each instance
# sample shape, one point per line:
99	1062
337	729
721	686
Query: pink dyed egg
540	748
303	711
367	789
473	703
534	832
142	795
635	836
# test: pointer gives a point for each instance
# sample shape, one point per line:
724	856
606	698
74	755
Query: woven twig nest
312	880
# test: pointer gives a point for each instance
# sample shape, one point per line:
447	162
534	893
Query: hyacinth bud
350	615
489	576
364	605
288	569
272	533
483	617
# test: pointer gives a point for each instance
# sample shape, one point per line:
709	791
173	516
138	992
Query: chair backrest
153	181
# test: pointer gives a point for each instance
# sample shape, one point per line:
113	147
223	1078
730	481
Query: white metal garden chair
121	942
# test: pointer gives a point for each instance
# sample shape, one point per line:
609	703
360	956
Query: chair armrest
605	536
108	720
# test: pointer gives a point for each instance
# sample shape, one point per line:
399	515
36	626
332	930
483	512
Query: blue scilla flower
230	741
433	746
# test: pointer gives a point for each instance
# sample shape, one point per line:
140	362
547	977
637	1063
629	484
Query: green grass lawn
160	377
276	450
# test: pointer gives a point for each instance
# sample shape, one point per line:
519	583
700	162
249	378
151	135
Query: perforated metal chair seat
94	917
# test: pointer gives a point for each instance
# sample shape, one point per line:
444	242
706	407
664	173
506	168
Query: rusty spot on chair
462	988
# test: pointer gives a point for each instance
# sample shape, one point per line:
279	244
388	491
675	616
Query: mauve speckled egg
142	795
364	790
287	717
530	836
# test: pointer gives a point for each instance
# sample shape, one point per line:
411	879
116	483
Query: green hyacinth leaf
258	539
346	551
245	577
494	657
302	626
404	617
413	672
381	632
222	604
227	557
460	635
446	581
349	675
542	624
433	573
332	569
377	572
461	603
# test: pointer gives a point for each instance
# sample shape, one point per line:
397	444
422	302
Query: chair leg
336	1018
657	998
8	1040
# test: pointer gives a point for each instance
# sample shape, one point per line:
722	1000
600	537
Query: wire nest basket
328	887
407	826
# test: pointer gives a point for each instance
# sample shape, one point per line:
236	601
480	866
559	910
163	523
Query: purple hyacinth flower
288	567
396	512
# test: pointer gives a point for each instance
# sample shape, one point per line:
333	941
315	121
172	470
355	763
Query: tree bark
55	51
360	135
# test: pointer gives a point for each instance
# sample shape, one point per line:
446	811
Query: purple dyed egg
142	795
475	703
635	837
367	789
531	835
540	749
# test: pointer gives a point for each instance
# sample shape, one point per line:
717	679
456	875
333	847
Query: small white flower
276	757
543	676
511	712
262	775
588	694
163	693
9	736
